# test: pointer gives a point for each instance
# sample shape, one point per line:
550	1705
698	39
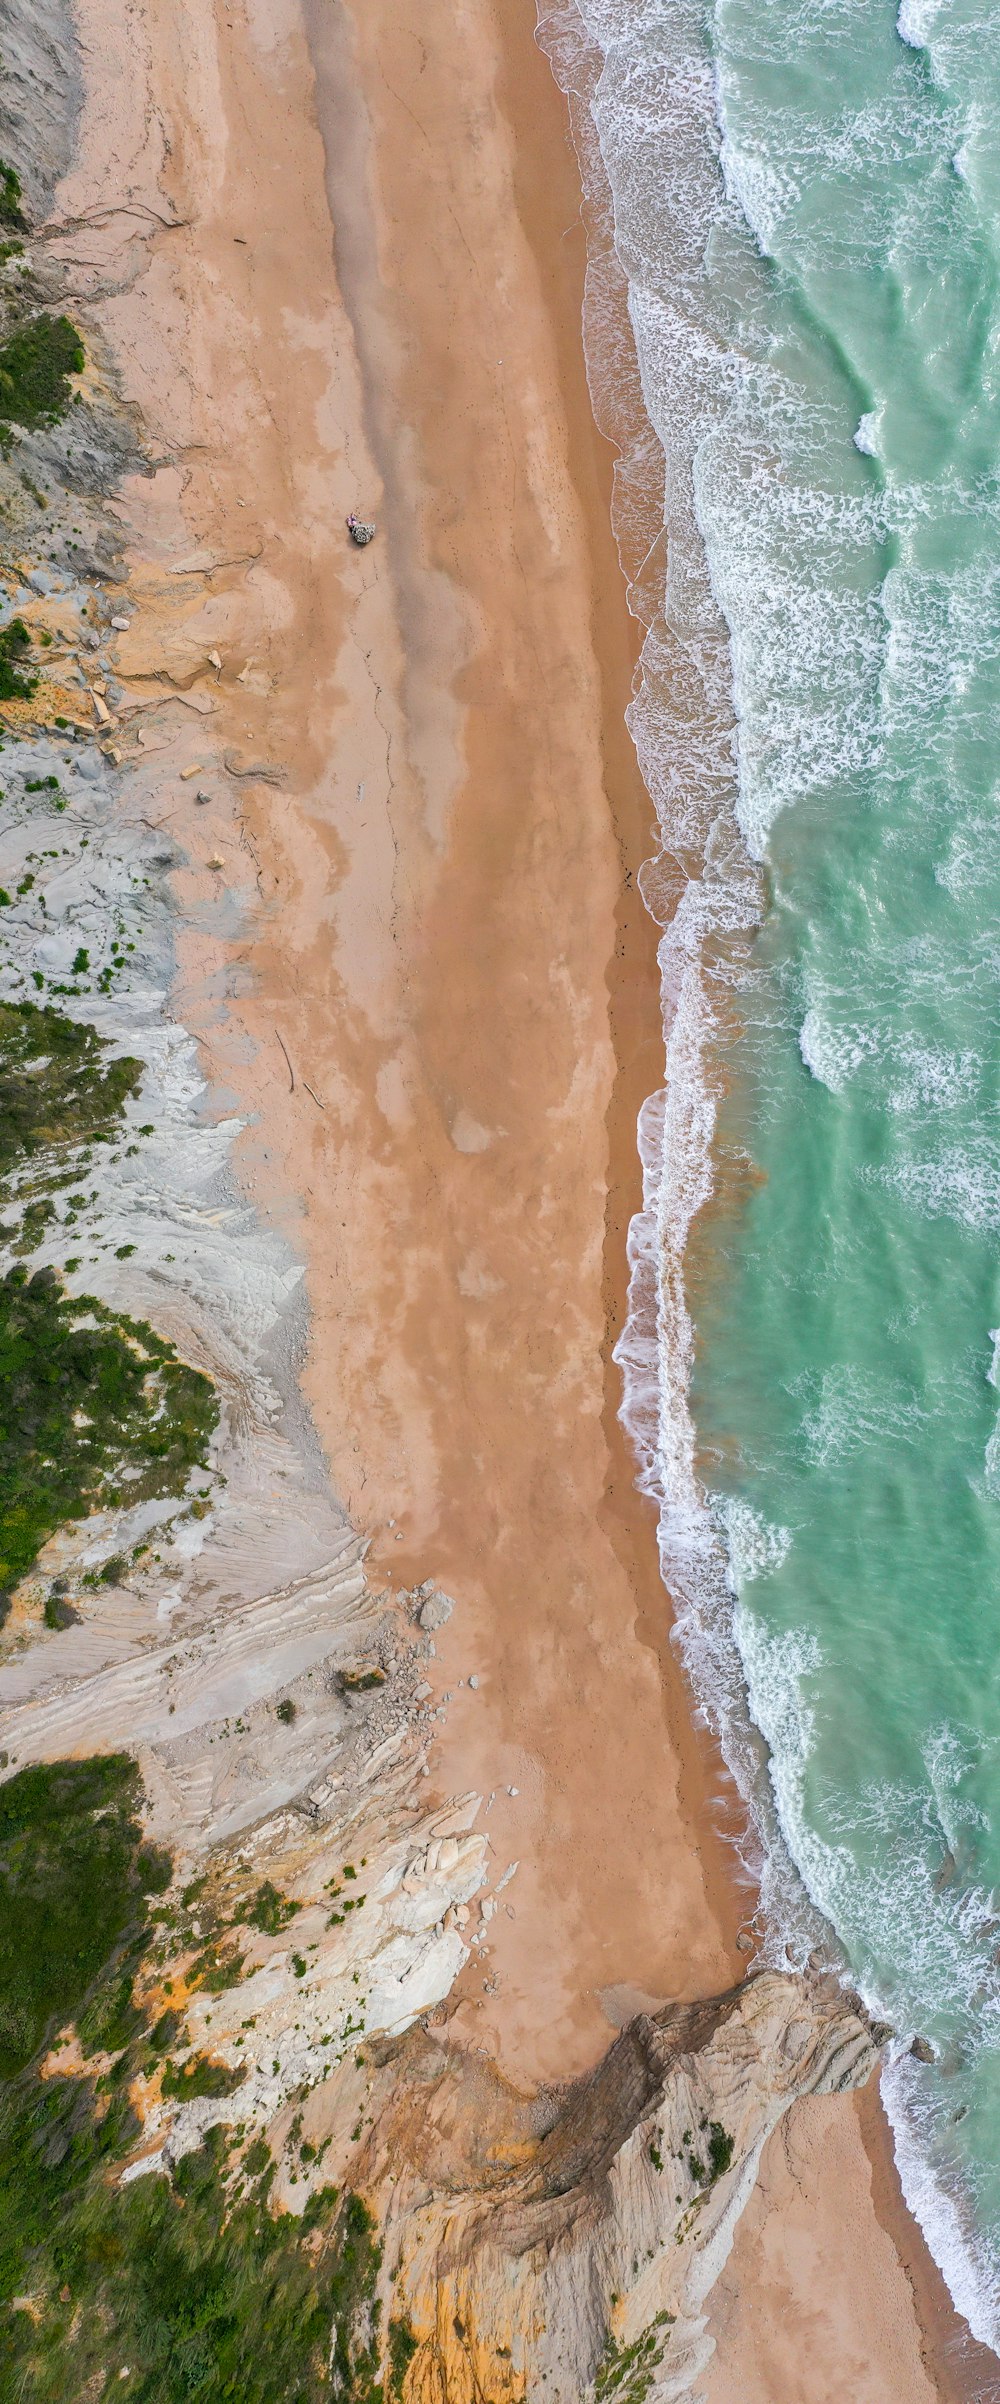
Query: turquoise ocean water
799	202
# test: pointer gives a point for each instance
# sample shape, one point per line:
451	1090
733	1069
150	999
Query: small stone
121	626
474	1682
744	1942
437	1608
513	1790
204	798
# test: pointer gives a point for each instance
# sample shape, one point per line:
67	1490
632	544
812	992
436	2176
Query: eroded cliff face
565	2246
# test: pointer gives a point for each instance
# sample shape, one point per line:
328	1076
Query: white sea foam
967	2264
755	1547
866	434
916	21
766	564
833	1054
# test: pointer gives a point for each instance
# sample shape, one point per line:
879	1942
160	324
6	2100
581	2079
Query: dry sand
444	936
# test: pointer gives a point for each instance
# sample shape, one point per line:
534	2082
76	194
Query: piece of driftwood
291	1071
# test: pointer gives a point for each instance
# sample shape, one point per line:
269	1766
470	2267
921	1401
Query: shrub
36	362
15	644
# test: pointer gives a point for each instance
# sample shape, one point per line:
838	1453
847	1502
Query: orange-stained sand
440	932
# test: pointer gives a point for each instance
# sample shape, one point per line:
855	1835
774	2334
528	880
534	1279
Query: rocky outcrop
565	2246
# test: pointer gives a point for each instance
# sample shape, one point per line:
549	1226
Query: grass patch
36	363
70	1887
201	2077
626	2374
58	1088
195	2284
95	1410
269	1911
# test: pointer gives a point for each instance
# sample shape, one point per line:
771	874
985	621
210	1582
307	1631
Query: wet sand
421	968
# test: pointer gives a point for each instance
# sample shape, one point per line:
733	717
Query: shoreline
303	837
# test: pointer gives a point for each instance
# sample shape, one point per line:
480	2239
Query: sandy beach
436	1003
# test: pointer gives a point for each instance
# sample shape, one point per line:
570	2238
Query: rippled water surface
807	213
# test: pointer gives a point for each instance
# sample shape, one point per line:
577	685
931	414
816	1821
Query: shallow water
807	210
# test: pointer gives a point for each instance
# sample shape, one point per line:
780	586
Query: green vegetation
720	2150
286	1711
270	1911
70	1886
59	1613
95	1410
627	2373
201	2076
196	2284
36	363
720	2154
57	1086
357	2309
15	644
402	2348
11	213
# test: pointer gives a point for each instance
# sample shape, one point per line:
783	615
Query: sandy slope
446	943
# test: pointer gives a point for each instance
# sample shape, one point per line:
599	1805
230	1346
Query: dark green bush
36	363
15	644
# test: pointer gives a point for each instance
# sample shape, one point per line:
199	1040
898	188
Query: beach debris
188	773
259	770
291	1071
214	661
314	1097
244	672
121	625
359	532
435	1609
216	861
